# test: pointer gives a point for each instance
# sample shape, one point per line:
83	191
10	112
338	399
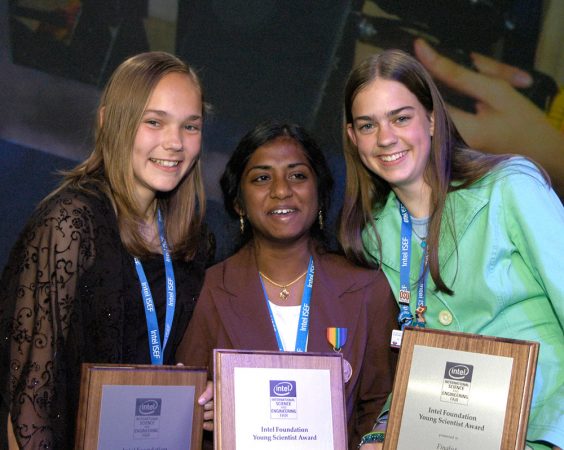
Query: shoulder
339	271
215	272
233	268
62	237
69	216
515	173
89	204
390	206
516	192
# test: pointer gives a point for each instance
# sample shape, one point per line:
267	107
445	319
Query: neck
282	263
150	211
417	201
149	229
147	204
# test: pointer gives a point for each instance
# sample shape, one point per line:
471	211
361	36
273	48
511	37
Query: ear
432	124
238	208
351	133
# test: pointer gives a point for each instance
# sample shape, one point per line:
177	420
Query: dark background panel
258	59
264	58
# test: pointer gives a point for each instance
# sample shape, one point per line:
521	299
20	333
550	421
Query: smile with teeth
165	163
282	211
392	157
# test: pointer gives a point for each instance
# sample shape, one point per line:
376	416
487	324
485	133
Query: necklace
423	239
423	225
284	293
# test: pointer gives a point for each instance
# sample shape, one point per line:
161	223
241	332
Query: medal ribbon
405	317
155	349
337	337
303	322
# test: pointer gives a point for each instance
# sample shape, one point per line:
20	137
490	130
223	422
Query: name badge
396	339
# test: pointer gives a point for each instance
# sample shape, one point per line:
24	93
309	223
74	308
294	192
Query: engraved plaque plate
461	391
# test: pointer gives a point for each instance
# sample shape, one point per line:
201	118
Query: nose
386	135
280	188
173	139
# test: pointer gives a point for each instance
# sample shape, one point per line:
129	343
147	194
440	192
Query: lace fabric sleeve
38	294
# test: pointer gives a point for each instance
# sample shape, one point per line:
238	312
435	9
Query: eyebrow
391	113
267	167
162	113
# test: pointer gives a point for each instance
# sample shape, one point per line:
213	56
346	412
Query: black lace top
70	294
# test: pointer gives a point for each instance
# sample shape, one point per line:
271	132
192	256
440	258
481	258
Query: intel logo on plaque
147	418
457	382
283	403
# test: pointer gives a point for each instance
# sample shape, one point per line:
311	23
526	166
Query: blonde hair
109	166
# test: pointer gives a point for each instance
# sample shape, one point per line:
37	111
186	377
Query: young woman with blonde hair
122	231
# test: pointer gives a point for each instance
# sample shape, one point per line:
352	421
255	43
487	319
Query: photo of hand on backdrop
482	56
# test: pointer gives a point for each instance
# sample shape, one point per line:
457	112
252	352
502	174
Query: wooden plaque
461	390
130	402
294	398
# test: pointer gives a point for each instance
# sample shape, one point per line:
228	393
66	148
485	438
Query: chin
167	187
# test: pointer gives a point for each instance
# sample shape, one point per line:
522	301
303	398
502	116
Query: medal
337	337
347	370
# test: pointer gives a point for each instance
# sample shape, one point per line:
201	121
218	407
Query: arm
38	292
196	349
534	218
380	359
505	121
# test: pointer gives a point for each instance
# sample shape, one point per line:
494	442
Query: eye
400	120
366	127
260	178
191	128
152	122
298	176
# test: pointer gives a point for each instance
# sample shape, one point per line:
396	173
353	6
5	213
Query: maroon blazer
231	313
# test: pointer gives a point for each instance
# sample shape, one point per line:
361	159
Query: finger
208	406
208	415
469	82
488	66
207	395
208	426
469	126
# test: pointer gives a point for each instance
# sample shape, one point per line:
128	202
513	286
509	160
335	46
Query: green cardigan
507	273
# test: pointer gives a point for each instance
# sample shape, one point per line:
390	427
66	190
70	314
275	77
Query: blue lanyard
303	322
405	317
155	349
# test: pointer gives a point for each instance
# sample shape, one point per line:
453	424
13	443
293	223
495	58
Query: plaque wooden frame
225	362
95	376
524	354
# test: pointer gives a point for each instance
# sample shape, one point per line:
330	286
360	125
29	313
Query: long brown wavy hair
109	166
452	164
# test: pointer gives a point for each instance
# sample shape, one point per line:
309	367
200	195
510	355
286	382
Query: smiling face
279	192
169	136
392	132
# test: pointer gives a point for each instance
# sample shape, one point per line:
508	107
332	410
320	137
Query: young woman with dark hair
468	241
277	184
